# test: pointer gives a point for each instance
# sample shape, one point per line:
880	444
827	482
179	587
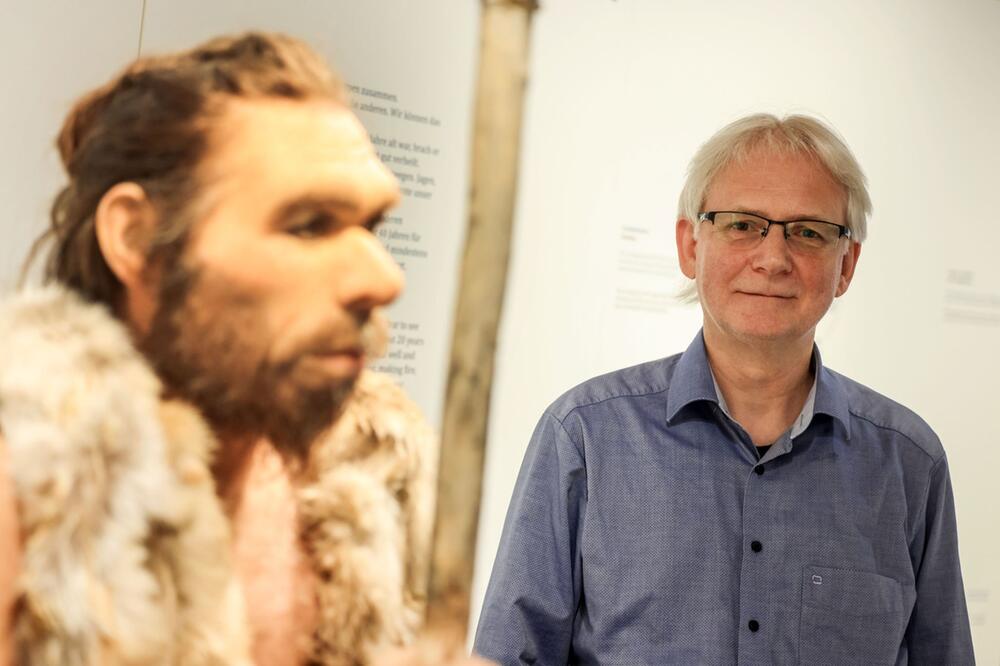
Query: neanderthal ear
125	221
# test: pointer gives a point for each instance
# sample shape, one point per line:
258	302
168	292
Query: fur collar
126	549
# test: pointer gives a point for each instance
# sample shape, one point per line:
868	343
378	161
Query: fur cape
126	550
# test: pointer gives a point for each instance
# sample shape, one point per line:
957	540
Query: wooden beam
503	65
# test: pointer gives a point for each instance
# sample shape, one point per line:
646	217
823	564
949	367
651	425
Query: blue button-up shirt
644	529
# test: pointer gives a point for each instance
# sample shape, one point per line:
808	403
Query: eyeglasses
746	230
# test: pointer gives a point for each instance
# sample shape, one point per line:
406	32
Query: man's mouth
343	362
765	294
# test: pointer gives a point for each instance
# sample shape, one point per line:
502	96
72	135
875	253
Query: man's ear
125	221
686	246
848	263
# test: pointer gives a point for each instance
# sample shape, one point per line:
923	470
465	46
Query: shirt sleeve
939	631
534	591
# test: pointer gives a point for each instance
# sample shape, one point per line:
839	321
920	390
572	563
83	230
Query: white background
622	93
49	59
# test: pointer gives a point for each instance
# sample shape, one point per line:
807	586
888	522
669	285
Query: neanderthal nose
373	278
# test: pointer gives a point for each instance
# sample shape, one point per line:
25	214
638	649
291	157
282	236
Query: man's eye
809	233
313	227
739	226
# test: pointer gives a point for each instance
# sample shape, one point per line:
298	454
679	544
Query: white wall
50	56
621	95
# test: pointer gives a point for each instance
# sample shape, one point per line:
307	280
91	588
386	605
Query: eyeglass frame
710	217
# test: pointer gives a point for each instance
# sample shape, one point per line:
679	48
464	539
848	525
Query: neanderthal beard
208	342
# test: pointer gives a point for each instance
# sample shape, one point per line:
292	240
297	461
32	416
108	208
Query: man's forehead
767	172
285	142
288	128
277	159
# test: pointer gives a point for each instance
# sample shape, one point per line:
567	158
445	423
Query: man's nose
370	277
772	254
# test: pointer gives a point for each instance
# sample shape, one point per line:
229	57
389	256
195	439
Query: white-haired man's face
768	291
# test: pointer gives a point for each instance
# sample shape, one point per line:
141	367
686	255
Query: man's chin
330	372
298	417
758	330
767	334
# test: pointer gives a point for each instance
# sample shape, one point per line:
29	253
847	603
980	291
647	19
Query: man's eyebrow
794	218
313	203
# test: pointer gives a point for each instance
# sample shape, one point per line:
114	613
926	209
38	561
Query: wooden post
503	63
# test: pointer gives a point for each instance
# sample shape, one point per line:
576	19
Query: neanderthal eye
373	223
314	226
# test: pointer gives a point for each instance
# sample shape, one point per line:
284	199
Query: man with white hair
739	502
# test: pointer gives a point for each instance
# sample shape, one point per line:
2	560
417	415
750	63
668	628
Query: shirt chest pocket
849	617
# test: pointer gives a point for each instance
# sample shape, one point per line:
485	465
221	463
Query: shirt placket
755	620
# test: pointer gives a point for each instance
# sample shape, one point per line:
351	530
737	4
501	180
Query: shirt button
753	625
759	469
756	546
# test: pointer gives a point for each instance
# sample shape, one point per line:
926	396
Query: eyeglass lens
746	229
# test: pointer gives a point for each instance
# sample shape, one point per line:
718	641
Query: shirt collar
693	382
831	395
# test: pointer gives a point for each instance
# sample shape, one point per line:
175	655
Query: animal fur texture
127	552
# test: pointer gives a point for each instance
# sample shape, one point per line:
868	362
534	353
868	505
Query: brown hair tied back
150	126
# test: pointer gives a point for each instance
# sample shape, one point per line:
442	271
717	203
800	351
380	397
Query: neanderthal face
266	318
